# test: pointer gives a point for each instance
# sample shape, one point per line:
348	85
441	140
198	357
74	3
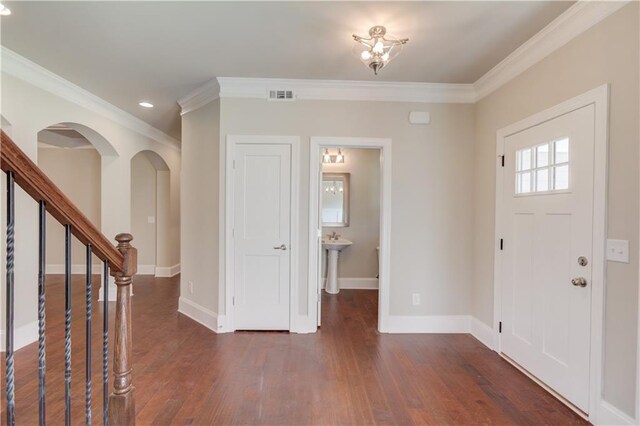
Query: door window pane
561	180
542	180
543	167
542	155
523	160
561	151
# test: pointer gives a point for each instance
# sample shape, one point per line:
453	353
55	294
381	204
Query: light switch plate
618	251
151	219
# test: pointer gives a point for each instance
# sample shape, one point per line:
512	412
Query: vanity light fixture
328	158
4	10
377	50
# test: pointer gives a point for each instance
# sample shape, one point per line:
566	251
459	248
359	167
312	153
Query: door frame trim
384	145
599	97
232	141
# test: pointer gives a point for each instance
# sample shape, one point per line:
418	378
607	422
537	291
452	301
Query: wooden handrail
122	260
35	183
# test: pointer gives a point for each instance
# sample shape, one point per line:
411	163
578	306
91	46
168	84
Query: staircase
119	261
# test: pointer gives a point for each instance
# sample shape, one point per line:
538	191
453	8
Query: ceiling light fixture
4	10
378	49
145	104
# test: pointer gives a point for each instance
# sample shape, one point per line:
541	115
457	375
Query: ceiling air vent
281	95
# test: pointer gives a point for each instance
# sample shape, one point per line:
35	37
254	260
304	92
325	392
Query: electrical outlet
415	298
191	287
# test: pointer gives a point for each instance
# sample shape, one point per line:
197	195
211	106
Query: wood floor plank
347	373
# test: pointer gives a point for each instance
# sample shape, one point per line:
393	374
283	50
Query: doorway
550	233
261	232
320	148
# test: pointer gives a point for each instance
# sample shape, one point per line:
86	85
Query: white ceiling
125	52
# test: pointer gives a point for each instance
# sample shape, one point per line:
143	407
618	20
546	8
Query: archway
70	154
150	206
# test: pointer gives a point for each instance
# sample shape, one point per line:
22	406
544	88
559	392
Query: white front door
262	226
547	251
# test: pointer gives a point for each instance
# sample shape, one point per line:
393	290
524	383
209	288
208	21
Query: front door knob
281	247
579	282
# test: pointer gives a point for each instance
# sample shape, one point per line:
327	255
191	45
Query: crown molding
583	15
32	73
231	87
201	96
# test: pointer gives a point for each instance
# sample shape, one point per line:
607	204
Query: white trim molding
146	270
315	228
199	314
428	324
167	271
22	68
355	283
482	332
258	88
570	24
599	97
609	415
22	336
208	92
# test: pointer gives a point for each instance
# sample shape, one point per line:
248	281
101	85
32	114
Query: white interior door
547	251
262	226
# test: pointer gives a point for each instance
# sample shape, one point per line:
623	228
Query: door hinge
500	327
502	160
233	300
234	163
501	244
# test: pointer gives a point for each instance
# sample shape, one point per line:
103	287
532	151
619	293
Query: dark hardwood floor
347	373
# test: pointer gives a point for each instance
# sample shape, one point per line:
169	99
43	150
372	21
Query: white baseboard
146	269
56	269
427	324
355	283
22	336
608	415
201	314
482	332
167	271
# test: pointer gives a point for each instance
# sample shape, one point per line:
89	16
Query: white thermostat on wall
419	117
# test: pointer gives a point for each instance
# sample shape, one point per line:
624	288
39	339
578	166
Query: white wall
77	173
143	206
360	260
607	53
200	207
431	235
29	109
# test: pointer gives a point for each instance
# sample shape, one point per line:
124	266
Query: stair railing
119	261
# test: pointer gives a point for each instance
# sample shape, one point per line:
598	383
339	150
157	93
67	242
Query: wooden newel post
122	408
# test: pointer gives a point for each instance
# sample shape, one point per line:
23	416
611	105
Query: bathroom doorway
350	193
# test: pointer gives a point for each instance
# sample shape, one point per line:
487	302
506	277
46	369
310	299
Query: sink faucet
334	236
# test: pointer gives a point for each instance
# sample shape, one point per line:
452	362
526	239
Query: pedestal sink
333	247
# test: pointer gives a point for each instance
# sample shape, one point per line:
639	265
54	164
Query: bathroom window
543	168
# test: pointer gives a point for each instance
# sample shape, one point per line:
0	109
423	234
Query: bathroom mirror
335	200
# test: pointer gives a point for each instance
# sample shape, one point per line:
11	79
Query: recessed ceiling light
4	10
145	104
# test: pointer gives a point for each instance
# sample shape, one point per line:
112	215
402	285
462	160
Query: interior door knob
579	282
280	247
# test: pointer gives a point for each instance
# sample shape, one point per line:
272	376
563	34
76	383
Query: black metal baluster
67	326
105	344
10	296
88	338
41	311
